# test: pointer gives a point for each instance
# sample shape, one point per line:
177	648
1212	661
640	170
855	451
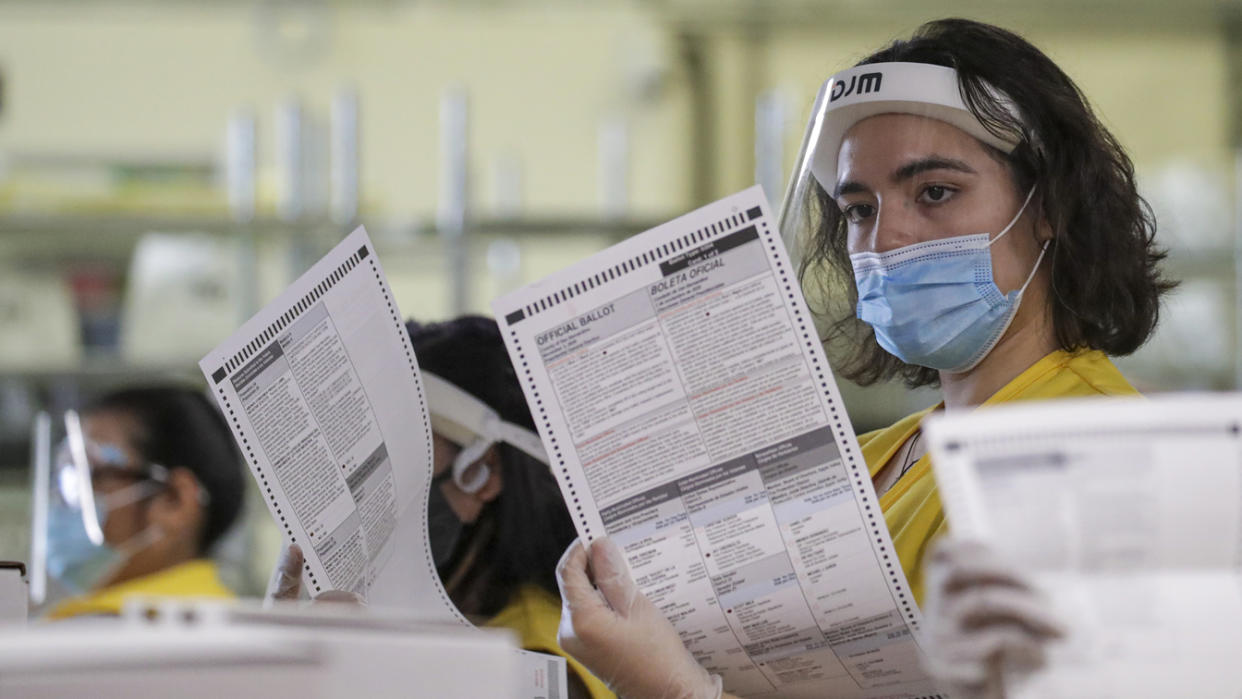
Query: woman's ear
178	511
1043	229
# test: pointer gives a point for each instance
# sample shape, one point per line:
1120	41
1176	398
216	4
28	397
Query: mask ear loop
1042	251
495	431
467	457
1015	217
125	496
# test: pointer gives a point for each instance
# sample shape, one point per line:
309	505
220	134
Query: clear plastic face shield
471	424
929	93
900	176
91	479
77	483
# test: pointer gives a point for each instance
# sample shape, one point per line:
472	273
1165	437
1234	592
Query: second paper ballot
690	414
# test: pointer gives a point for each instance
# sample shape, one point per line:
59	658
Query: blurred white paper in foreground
1126	513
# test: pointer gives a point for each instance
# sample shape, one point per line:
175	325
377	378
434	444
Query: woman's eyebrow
932	162
910	169
849	187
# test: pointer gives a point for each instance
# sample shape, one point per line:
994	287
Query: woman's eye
937	194
858	212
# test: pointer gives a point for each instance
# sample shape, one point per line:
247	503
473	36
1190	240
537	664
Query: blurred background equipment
192	282
39	322
166	647
14	592
152	198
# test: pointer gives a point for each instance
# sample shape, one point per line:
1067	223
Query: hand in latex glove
619	634
286	581
983	619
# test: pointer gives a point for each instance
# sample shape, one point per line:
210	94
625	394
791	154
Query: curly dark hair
1105	278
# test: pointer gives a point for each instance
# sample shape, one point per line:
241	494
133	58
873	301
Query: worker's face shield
91	478
471	424
887	147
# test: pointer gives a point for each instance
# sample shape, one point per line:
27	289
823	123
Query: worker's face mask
444	527
78	563
72	558
90	480
936	304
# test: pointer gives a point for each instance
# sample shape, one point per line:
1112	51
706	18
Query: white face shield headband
920	89
467	421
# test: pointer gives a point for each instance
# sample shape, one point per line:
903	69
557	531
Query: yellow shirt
196	578
533	614
912	506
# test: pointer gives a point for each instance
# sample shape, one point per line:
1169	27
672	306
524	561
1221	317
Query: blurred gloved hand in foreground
984	620
286	581
610	627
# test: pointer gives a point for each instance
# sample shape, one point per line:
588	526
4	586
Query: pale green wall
152	80
159	80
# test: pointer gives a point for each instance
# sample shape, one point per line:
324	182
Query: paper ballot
322	392
1126	513
683	396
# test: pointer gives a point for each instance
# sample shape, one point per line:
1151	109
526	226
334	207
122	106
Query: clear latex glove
286	582
985	623
610	627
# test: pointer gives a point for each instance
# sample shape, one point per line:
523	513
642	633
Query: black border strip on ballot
626	266
262	339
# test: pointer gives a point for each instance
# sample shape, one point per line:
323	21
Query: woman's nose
895	226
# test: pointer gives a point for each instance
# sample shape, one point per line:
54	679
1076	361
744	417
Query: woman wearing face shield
496	519
986	235
145	484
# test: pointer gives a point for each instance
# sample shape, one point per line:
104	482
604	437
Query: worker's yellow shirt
196	578
533	614
912	506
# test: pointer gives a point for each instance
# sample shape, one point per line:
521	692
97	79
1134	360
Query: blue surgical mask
444	527
936	304
72	558
80	564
